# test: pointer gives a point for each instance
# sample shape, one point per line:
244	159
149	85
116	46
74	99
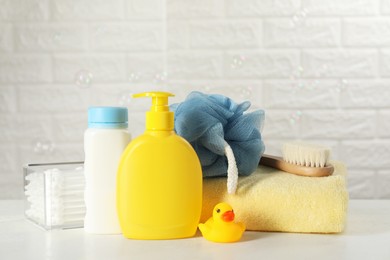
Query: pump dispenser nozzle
159	117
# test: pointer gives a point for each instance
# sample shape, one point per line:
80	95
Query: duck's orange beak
228	216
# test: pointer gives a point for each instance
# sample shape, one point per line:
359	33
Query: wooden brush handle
278	163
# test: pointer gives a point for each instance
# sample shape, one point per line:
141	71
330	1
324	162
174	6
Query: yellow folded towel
272	200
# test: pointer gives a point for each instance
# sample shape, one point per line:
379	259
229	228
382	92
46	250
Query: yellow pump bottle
159	180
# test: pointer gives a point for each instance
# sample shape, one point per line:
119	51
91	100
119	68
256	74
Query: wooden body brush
301	159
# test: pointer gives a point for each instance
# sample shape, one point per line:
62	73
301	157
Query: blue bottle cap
107	117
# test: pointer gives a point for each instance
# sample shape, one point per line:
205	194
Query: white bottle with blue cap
104	141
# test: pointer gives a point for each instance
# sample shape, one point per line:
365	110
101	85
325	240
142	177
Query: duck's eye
218	210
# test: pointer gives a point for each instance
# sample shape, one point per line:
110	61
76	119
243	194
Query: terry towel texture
272	200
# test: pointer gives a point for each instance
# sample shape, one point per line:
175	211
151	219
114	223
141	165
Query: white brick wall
320	70
86	10
336	63
225	34
55	37
24	10
342	8
282	32
25	68
102	67
126	37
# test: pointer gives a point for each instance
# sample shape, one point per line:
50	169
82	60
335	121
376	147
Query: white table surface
367	236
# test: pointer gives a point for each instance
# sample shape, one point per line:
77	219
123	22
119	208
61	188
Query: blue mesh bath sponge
226	138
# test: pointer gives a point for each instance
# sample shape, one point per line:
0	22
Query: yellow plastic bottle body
159	187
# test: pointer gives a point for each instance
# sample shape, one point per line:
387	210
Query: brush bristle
305	154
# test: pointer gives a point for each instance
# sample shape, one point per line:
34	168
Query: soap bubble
297	73
99	31
298	81
295	117
43	147
321	71
313	85
125	99
296	76
133	77
84	78
342	86
57	37
160	77
298	84
299	17
246	92
206	89
237	61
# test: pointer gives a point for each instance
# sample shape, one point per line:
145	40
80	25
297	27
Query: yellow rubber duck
220	227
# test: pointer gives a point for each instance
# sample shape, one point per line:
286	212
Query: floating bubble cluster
160	77
43	147
342	86
296	76
237	61
246	93
313	84
83	78
134	77
125	99
299	17
295	117
297	73
321	71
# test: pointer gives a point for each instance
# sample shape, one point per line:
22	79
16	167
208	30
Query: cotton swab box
55	194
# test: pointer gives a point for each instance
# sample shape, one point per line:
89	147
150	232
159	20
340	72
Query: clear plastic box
54	194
